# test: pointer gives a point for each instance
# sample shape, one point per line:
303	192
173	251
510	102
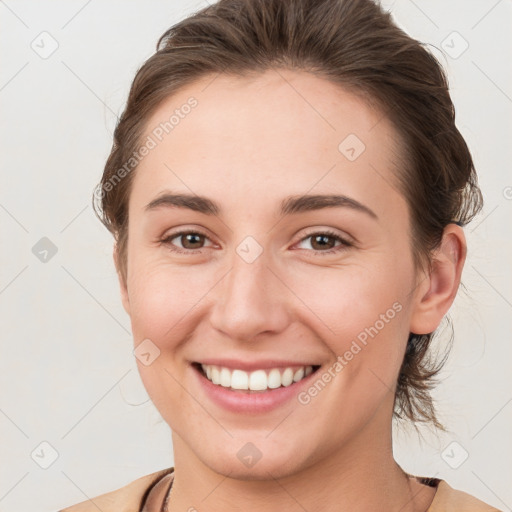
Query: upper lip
236	364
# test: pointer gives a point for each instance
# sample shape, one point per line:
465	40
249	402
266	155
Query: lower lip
240	401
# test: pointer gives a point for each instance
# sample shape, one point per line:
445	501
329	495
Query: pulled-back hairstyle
353	43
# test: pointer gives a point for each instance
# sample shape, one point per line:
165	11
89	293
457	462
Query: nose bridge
251	299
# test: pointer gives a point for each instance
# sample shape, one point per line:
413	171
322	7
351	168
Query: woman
287	190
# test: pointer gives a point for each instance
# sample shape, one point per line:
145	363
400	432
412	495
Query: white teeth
225	378
299	374
258	380
274	379
239	380
287	377
215	374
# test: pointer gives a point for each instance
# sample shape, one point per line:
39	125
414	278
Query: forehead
290	130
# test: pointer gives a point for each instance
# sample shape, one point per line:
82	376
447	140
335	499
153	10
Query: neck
360	476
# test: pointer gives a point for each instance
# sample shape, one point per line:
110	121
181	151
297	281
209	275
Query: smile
257	380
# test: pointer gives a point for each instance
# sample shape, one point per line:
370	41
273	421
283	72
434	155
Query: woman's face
269	277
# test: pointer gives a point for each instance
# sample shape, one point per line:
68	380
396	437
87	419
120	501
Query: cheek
162	299
163	305
364	323
362	314
355	300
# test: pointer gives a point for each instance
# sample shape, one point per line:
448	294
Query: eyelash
345	244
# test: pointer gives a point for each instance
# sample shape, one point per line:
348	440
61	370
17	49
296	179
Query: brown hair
353	43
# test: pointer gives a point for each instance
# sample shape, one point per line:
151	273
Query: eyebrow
290	205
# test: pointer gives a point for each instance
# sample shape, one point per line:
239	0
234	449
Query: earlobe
122	280
436	294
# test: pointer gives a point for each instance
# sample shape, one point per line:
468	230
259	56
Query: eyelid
348	239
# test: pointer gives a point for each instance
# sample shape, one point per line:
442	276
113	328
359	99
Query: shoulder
448	499
129	498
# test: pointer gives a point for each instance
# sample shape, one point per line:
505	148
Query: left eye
324	242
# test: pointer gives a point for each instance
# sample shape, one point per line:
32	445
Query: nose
251	300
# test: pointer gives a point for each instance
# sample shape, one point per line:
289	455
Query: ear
122	282
436	292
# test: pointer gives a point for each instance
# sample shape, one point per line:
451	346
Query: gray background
67	373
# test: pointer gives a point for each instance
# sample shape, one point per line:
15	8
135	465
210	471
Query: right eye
189	241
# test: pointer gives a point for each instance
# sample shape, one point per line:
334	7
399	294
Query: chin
259	459
263	470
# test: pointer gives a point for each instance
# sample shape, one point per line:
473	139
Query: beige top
148	492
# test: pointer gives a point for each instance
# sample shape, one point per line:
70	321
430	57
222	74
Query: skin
250	143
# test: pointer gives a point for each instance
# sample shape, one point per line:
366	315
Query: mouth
262	380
